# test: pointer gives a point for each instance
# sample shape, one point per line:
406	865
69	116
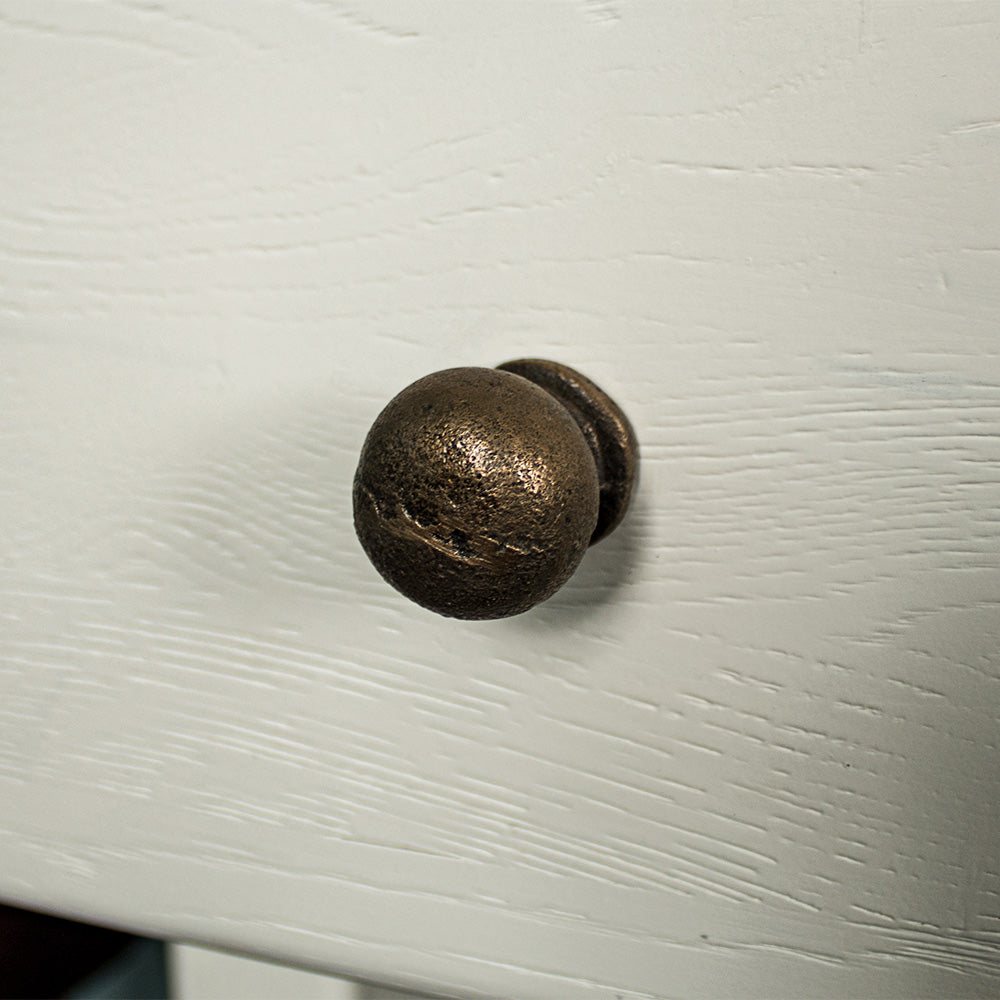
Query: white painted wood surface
752	749
198	973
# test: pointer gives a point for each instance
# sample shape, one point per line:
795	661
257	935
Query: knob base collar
605	427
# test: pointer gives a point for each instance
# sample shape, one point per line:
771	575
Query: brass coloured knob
478	490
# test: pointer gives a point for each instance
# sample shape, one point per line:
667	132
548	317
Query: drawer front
751	747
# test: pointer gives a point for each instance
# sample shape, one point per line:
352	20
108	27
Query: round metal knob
479	489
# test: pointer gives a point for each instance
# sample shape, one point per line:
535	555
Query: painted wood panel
752	748
198	973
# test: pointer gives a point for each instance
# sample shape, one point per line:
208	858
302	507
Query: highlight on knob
478	490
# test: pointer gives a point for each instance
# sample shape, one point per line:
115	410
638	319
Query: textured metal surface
476	493
605	427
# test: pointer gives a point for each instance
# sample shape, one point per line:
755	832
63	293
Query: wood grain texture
753	747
